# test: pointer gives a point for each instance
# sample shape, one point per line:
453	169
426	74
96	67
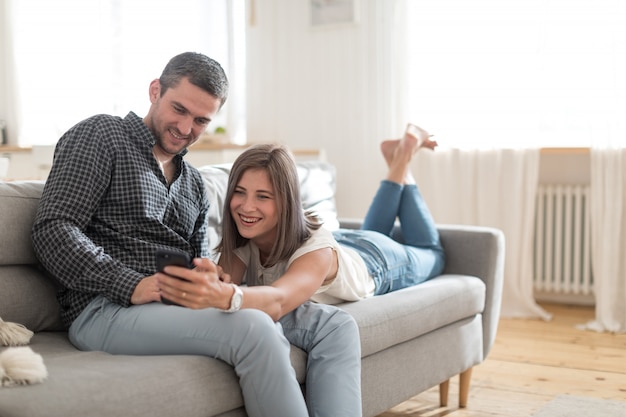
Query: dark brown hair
294	225
200	70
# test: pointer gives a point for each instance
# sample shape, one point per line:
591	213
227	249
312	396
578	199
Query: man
119	191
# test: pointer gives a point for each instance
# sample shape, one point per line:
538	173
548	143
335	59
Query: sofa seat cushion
98	383
393	318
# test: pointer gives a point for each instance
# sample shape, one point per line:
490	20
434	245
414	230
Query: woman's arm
203	288
300	281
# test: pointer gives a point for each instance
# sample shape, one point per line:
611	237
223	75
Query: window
517	73
76	58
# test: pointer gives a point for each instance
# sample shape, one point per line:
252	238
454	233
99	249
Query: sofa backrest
28	297
18	204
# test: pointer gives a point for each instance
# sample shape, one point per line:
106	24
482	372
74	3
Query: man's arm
77	182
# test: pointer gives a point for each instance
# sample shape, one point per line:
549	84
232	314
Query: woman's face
254	208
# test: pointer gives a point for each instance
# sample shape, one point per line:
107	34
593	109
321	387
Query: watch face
237	299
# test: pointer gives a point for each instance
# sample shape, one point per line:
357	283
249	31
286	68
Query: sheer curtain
489	187
608	184
496	80
9	99
608	225
470	88
76	58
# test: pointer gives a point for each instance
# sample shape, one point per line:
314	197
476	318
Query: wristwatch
236	300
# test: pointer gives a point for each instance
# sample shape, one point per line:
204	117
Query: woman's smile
246	220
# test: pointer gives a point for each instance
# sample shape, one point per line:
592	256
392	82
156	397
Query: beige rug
574	406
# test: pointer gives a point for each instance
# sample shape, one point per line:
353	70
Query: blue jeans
397	264
256	347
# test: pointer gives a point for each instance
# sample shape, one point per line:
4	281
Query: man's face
179	117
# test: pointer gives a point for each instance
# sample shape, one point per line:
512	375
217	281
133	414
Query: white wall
325	88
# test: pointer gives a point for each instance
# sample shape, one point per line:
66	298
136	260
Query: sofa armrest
470	250
478	251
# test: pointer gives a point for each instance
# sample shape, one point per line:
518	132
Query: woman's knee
346	324
331	319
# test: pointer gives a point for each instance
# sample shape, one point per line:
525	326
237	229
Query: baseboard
573	299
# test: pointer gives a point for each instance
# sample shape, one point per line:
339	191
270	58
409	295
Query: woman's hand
207	285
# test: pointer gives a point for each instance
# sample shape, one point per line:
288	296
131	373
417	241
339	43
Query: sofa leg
464	384
443	393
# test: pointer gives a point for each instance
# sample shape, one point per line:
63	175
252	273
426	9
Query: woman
287	259
268	240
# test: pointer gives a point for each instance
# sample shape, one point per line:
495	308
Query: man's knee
255	325
251	321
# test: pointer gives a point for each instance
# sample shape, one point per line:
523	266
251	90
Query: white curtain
608	234
9	99
76	58
476	92
512	74
494	188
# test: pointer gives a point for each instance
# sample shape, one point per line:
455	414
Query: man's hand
146	291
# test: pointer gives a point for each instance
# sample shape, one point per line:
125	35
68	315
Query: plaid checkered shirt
106	208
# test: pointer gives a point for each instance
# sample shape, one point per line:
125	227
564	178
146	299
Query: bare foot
409	144
398	154
422	136
388	148
429	144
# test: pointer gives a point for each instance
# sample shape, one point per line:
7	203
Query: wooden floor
531	362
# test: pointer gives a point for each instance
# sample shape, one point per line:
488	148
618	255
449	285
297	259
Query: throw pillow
19	365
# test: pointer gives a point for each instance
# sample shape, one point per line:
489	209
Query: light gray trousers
248	340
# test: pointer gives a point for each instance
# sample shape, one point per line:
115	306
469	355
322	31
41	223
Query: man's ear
155	90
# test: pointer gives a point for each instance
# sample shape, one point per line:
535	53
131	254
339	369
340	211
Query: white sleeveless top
352	283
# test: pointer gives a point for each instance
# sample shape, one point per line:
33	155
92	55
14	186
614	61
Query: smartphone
169	257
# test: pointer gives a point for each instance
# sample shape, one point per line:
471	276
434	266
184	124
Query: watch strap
236	300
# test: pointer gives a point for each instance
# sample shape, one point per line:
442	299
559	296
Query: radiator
562	241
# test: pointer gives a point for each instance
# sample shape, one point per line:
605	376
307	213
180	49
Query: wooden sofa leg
443	393
464	385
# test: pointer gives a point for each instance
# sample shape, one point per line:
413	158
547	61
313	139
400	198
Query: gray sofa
412	339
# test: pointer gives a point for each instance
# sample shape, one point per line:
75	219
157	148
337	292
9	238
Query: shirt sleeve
199	238
78	180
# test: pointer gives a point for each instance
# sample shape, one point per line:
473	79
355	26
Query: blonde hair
294	225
